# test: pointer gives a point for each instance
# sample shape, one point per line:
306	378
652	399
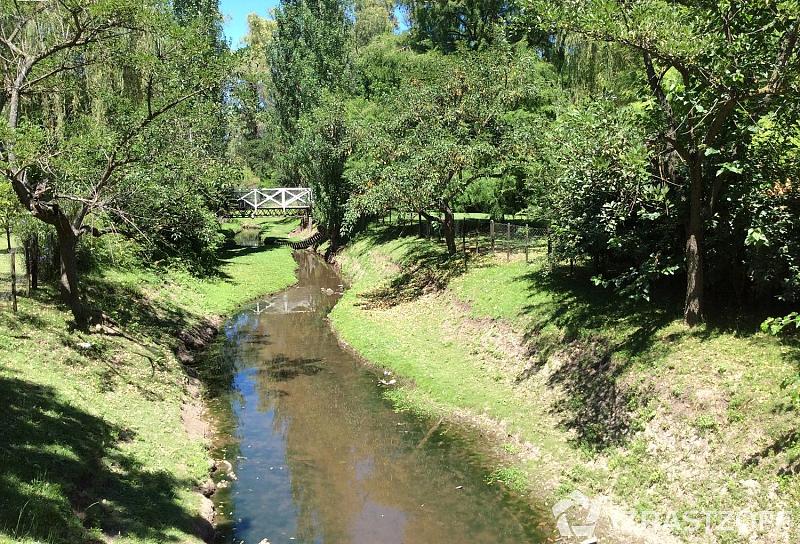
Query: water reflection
319	456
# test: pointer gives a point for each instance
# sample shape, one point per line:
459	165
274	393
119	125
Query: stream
319	455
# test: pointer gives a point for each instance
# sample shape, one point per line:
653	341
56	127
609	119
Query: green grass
93	447
668	418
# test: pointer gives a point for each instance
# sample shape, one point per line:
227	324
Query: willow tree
373	18
94	93
709	66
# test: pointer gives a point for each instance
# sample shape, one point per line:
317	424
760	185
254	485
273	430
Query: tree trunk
8	237
449	228
693	308
68	280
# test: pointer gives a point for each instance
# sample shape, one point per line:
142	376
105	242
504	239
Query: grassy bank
587	392
93	443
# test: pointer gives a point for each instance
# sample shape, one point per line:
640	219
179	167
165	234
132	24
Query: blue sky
235	13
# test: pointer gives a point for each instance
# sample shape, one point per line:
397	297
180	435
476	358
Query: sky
235	17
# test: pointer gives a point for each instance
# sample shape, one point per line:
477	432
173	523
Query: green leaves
777	325
441	131
119	127
755	237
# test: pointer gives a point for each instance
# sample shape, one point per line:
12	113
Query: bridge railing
272	198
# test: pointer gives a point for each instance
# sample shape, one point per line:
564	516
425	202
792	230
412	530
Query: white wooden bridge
270	201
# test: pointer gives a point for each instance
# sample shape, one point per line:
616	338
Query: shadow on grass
788	446
425	267
597	405
784	452
600	335
65	480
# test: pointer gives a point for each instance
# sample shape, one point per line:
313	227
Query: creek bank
505	448
619	402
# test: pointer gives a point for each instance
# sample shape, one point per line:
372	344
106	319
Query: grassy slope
613	399
96	434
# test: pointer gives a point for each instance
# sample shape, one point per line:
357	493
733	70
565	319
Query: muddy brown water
318	453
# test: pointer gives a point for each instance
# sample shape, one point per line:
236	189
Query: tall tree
446	25
309	53
323	147
373	18
310	58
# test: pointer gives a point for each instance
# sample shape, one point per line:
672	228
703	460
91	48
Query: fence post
13	254
527	241
34	273
491	233
27	248
508	241
464	241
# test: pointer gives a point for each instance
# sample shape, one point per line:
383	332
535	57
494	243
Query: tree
445	26
373	18
120	74
438	134
309	54
706	64
323	147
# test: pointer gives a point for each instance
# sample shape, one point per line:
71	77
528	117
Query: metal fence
474	235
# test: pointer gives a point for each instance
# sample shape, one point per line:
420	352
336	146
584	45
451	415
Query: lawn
93	447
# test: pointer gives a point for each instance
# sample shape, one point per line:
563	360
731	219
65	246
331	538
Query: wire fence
476	235
25	266
13	277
